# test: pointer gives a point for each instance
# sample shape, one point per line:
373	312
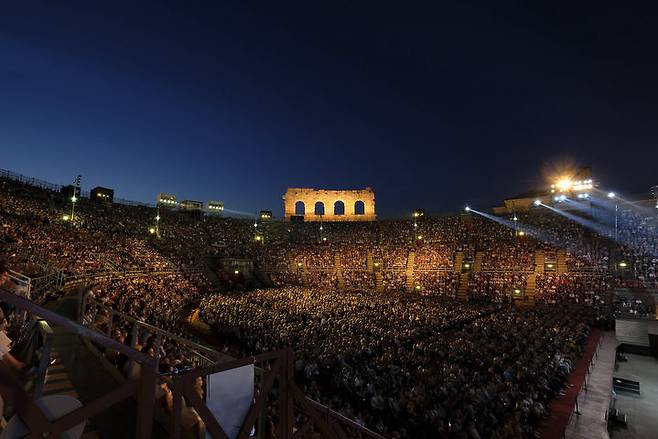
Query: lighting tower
612	195
76	188
157	223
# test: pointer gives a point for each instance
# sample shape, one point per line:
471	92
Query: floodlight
515	218
467	209
611	195
66	217
537	202
74	198
151	230
564	184
237	271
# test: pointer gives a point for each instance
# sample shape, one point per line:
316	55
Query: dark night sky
432	106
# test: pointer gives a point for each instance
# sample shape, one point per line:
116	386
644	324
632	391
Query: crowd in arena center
486	370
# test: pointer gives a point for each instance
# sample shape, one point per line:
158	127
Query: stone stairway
531	287
477	264
540	261
462	291
459	260
301	269
339	272
411	259
561	262
77	372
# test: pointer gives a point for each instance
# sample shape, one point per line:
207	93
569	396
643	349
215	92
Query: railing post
109	323
158	344
134	335
285	395
43	366
177	394
146	401
82	305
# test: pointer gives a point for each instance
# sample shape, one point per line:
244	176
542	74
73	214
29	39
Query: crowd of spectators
583	289
487	370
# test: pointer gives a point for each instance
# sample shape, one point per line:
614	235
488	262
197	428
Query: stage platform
639	408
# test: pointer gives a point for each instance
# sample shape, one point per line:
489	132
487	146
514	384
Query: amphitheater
137	321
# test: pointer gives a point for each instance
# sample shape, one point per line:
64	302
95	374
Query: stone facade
330	205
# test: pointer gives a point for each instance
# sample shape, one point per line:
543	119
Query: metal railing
34	417
591	362
198	354
316	420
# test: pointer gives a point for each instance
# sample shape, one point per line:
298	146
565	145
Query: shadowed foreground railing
36	420
297	415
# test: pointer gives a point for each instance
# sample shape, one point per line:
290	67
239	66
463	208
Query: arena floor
640	409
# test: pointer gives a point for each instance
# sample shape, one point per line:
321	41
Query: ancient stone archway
339	208
357	205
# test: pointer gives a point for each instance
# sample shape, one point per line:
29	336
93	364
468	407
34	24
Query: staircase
294	268
339	272
531	287
477	264
462	291
540	261
261	279
411	259
561	262
379	279
459	260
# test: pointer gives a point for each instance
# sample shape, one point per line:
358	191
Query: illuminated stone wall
331	200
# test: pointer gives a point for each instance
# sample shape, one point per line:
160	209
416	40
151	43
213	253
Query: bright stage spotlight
537	202
611	195
564	184
467	209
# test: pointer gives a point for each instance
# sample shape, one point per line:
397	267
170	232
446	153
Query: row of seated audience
487	370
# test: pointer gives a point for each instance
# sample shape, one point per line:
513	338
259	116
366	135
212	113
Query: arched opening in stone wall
359	208
300	208
319	208
339	208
